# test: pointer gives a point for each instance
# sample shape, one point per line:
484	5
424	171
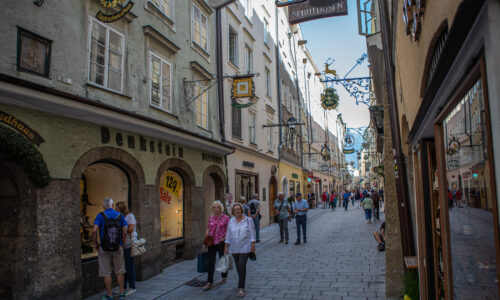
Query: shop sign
348	151
170	187
21	127
242	87
316	9
123	7
248	164
329	99
144	143
211	158
295	176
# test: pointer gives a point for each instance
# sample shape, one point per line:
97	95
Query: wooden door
272	196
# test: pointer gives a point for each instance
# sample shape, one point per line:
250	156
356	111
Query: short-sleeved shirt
256	204
368	203
130	218
345	196
284	209
111	214
301	205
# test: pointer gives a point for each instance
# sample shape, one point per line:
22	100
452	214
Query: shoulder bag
277	217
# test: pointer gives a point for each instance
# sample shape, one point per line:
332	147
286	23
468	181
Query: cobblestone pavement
340	261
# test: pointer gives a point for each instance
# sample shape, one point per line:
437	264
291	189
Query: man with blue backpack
113	233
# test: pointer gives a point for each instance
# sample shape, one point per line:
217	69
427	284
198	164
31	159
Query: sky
338	38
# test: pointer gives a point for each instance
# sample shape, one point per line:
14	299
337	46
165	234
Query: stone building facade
90	110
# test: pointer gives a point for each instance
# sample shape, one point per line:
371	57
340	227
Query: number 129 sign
170	187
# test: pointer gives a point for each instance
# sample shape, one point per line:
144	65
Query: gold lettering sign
24	129
116	16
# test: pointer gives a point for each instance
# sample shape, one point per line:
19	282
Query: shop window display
171	205
470	198
97	182
246	185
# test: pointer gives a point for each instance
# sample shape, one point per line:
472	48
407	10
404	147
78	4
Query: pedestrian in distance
300	208
246	209
357	198
376	205
353	196
254	205
335	197
240	243
112	228
324	198
214	240
129	279
345	197
331	200
368	206
380	237
282	210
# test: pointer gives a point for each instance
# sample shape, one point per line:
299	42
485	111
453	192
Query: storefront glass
246	185
97	182
171	205
470	198
292	188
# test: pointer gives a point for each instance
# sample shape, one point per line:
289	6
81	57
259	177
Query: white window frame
268	82
162	61
247	4
231	29
199	88
252	135
266	32
162	10
206	29
270	137
106	55
248	59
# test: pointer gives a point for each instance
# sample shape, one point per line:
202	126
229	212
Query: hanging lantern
329	99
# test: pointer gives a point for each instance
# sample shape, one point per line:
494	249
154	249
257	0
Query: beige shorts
109	259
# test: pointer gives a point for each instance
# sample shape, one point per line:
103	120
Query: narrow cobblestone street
340	261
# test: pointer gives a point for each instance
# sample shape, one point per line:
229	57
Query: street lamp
291	124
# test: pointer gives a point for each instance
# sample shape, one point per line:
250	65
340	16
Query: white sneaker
130	291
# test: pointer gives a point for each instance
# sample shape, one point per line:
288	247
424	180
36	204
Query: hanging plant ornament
329	99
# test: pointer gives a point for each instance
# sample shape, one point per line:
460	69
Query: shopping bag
138	248
224	264
203	262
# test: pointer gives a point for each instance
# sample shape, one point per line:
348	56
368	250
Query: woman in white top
127	247
240	242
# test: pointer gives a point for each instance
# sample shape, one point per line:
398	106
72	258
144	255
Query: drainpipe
401	182
220	80
278	84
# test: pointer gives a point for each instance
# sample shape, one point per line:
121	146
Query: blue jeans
256	223
301	222
130	268
346	203
368	213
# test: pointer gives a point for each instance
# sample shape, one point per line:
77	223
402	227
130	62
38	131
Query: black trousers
212	255
240	260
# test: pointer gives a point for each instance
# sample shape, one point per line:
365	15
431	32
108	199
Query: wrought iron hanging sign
120	9
349	143
242	87
453	146
329	99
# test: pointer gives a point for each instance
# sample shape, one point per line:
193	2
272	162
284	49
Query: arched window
171	205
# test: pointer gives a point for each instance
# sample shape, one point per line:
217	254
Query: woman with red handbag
214	240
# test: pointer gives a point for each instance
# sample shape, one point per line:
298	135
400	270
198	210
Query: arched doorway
97	182
17	232
273	194
285	187
213	189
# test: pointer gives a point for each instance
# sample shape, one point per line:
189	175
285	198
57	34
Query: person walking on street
214	240
324	198
300	208
345	197
240	242
282	210
113	234
246	209
376	205
127	247
332	200
368	206
254	205
353	196
358	199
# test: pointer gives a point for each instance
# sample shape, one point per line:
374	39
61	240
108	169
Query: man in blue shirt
345	196
300	208
109	260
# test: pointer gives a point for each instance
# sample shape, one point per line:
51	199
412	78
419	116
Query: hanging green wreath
329	99
25	155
